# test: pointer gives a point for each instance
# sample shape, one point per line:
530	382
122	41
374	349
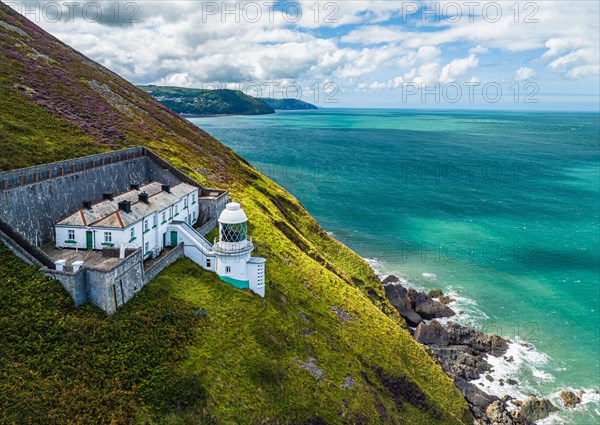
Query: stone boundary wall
23	248
38	173
174	255
74	283
206	228
111	289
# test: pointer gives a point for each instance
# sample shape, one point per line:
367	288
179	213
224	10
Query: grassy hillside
207	102
190	348
287	104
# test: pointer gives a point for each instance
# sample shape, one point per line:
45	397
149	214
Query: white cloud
524	73
479	49
177	43
457	68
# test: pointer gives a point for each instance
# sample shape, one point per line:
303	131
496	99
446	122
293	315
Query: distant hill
194	102
287	104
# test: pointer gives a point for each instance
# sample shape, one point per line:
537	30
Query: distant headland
192	102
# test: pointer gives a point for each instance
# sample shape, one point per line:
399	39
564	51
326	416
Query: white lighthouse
232	249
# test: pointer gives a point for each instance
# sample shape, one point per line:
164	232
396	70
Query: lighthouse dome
233	214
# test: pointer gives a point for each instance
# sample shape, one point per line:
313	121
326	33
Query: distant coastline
198	103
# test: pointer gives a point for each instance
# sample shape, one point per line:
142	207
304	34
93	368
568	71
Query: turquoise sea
498	209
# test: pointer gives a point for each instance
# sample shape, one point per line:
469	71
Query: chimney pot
143	197
107	196
125	206
166	188
87	205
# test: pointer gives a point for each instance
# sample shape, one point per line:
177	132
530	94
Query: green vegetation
287	104
189	348
196	102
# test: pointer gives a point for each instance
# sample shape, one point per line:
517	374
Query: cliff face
324	346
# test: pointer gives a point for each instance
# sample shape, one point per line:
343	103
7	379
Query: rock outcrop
457	361
432	333
461	352
534	409
569	398
479	342
478	399
414	306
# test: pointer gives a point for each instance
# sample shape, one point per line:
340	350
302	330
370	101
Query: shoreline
487	378
223	115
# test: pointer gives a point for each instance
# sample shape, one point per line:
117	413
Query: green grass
160	359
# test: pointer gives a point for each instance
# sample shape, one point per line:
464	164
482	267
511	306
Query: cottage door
89	238
173	239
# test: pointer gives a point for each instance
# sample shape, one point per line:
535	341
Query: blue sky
540	55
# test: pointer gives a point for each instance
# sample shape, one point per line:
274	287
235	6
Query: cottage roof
106	214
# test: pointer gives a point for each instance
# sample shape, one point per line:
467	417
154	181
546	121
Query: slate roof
106	214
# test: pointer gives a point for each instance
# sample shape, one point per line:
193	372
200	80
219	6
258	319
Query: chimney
107	196
166	188
143	197
125	206
134	186
87	205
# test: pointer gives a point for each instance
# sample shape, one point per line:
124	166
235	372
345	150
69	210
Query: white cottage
138	218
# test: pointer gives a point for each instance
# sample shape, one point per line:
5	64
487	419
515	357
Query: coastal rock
444	299
478	399
457	361
412	318
477	341
498	414
432	333
435	293
569	398
430	309
397	295
390	279
534	409
416	297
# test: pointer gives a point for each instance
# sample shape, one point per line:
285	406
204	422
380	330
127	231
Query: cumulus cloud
479	49
187	43
458	68
524	73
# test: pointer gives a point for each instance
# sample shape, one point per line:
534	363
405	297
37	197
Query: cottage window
193	198
176	209
132	232
71	234
147	247
146	225
170	214
107	236
164	216
208	262
154	220
227	269
185	202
